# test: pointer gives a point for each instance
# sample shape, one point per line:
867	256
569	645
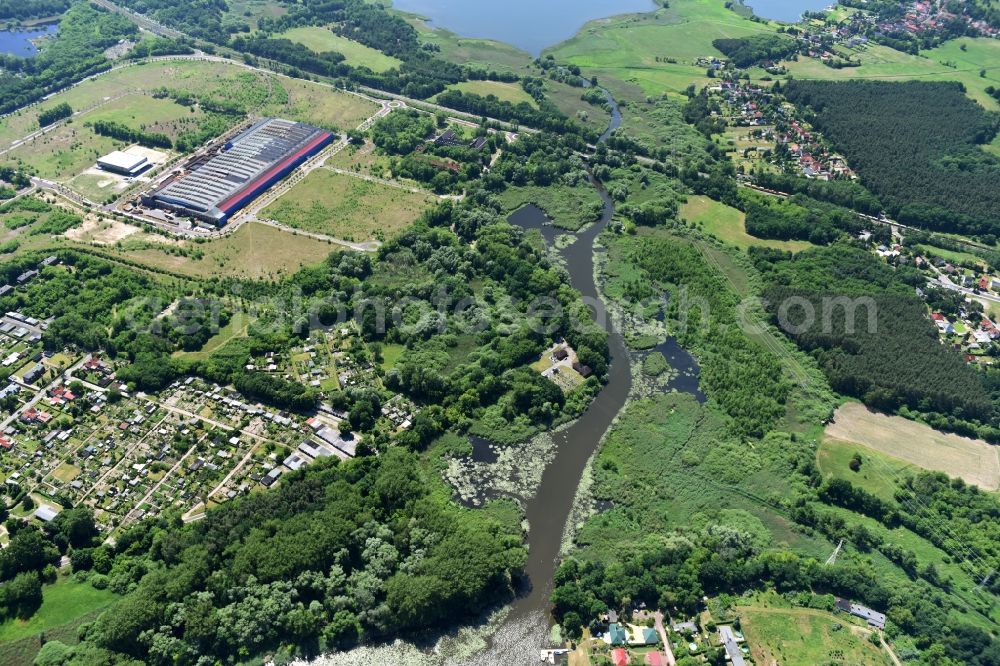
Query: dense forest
201	19
797	217
861	344
339	553
55	114
754	50
23	10
122	132
915	145
847	193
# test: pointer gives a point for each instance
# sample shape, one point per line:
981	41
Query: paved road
40	394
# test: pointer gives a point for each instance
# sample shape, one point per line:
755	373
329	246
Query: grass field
945	63
728	224
236	328
778	634
66	151
567	99
878	474
954	256
66	472
347	207
505	92
479	53
635	48
975	461
62	602
321	39
254	251
251	11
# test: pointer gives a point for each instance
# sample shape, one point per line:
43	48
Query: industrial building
123	163
214	185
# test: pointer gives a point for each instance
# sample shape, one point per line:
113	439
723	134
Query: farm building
123	163
213	186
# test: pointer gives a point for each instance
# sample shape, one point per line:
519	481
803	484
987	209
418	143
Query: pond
21	42
527	24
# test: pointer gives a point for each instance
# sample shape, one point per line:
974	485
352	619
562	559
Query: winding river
549	509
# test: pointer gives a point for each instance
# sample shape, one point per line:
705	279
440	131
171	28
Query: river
526	627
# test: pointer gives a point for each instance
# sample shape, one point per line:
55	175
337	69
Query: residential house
642	635
616	634
730	641
34	374
943	324
619	657
874	618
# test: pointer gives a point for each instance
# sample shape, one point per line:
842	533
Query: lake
18	42
531	25
786	10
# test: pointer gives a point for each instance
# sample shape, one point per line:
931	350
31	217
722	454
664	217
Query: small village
642	637
966	297
73	434
834	37
767	134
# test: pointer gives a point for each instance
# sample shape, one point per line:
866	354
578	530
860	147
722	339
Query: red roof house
619	656
655	659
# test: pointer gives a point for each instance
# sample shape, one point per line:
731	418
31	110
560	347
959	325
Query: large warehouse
123	163
213	187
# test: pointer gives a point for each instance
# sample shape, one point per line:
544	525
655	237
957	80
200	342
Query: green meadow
321	40
657	51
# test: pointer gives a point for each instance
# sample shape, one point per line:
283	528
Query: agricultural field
635	48
948	62
505	92
778	633
972	460
348	207
878	474
321	39
729	224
